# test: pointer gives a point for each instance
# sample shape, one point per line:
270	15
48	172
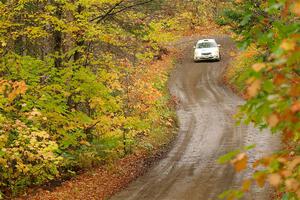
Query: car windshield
206	45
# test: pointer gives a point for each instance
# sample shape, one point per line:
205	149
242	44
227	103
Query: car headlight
216	53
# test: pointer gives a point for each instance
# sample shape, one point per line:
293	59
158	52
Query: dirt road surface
207	131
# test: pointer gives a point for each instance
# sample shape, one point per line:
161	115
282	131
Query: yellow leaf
260	179
282	160
240	162
246	185
273	120
296	8
294	163
298	193
18	88
4	44
250	80
275	180
295	107
292	184
258	66
84	143
288	45
254	88
286	173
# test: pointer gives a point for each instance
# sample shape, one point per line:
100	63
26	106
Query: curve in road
207	131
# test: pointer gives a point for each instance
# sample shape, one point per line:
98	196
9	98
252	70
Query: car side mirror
219	45
194	47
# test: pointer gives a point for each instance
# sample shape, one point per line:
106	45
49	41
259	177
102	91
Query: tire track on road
207	131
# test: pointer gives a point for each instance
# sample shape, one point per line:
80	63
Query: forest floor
99	183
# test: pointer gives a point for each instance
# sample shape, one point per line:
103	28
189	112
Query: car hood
206	50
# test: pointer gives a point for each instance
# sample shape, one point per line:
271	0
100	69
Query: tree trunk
58	39
80	41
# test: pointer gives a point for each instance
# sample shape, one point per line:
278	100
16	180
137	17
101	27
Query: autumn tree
269	32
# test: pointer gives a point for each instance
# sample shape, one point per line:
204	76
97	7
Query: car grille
206	54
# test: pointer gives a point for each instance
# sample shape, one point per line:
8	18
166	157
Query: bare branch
115	10
102	17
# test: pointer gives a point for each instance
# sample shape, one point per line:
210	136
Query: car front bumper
209	57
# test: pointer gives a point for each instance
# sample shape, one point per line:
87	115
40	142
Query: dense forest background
78	86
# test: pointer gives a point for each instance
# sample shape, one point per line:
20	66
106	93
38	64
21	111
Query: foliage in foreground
268	73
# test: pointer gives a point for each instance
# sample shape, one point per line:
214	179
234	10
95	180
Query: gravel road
207	131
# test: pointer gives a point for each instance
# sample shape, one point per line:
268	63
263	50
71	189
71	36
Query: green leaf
246	19
2	153
250	147
228	157
268	86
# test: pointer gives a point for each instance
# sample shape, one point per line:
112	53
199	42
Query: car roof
206	40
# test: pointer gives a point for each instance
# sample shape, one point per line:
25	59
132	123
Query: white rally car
207	49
